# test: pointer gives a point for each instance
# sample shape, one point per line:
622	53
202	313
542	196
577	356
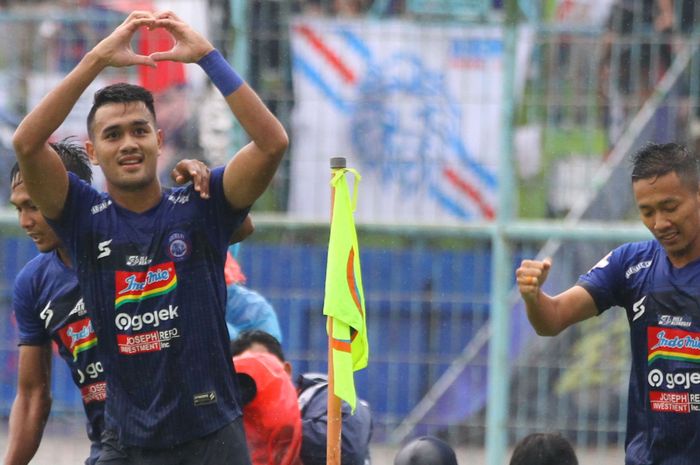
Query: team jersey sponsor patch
95	392
138	260
78	336
134	286
151	341
637	268
672	344
675	320
674	402
100	207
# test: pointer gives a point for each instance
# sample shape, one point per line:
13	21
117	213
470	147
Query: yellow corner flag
344	300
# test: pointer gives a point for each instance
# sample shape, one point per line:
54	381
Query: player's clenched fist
530	276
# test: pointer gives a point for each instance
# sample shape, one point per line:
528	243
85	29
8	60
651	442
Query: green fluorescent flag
344	300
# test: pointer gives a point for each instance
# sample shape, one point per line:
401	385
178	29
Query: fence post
501	256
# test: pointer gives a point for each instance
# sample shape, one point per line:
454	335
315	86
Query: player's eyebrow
137	122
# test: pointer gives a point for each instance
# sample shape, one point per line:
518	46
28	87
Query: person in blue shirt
657	282
246	309
150	260
48	306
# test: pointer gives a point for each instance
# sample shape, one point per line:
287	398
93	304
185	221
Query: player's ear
288	368
90	150
159	136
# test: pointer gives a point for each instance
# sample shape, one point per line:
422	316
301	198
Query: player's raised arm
42	170
250	171
550	315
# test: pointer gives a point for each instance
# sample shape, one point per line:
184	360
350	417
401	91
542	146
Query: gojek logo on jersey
78	336
137	286
672	344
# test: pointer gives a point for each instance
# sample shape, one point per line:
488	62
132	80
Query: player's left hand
190	46
196	171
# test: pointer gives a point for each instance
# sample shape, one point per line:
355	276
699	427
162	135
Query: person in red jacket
311	389
271	415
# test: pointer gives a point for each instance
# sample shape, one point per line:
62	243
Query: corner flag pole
335	425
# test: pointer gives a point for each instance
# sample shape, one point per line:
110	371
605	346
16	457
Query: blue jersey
155	281
663	309
48	305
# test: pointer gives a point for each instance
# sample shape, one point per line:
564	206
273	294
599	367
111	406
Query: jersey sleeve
222	218
604	282
75	216
32	330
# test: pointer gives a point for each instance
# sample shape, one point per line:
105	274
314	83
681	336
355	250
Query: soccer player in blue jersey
151	263
658	284
48	306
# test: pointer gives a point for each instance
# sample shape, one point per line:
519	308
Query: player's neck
681	259
64	256
138	200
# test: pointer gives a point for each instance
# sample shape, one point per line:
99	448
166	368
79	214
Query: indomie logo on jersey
78	336
137	286
673	344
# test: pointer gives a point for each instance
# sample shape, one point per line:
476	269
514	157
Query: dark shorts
225	446
95	449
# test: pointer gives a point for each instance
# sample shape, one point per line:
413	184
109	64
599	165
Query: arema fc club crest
179	246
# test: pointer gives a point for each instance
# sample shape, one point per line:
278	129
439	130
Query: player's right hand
115	49
196	171
530	276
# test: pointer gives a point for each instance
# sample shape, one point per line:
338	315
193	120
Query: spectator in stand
273	434
246	309
312	389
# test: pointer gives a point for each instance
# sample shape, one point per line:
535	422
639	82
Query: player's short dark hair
121	92
543	449
249	337
72	155
654	160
